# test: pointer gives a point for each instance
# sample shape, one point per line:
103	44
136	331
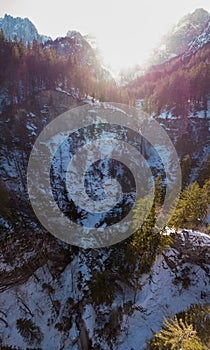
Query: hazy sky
125	30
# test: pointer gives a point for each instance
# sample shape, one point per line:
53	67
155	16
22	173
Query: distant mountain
22	28
183	34
72	44
76	45
126	75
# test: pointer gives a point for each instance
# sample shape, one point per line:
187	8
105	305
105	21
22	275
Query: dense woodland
27	70
181	85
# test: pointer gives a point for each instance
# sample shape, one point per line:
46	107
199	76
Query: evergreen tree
176	335
206	190
199	316
29	330
146	243
159	193
186	165
204	171
102	288
191	209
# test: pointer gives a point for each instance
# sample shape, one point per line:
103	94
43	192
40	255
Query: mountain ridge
181	36
22	28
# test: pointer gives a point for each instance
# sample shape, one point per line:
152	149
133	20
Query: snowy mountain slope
58	301
21	28
19	132
48	282
181	36
166	292
199	42
188	28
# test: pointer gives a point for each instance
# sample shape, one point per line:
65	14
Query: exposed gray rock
22	28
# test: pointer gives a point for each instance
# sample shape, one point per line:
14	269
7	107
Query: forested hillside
27	70
181	85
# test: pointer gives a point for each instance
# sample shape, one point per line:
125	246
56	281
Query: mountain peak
200	14
22	28
180	37
74	34
198	18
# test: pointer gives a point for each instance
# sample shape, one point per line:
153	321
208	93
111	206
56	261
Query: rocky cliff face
199	42
187	29
190	136
21	28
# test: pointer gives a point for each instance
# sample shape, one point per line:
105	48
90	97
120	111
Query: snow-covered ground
54	300
160	297
51	301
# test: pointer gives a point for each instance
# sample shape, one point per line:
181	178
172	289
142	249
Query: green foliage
206	190
141	218
147	242
199	316
204	172
159	193
192	207
188	330
176	335
143	239
186	167
29	331
142	248
130	259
